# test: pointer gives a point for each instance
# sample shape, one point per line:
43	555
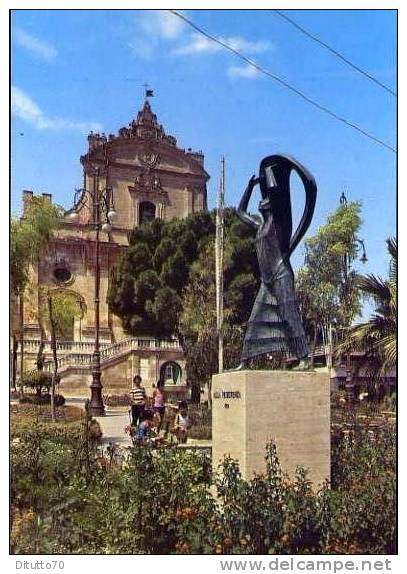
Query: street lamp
101	204
359	245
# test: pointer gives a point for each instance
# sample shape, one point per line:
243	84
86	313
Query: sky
77	70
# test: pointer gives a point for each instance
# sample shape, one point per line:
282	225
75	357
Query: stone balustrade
32	345
80	354
107	349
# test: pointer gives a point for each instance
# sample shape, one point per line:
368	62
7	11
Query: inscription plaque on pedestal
292	408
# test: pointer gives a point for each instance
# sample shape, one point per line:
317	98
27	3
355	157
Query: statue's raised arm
244	202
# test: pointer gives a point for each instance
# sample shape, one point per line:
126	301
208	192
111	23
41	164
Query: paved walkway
115	421
112	424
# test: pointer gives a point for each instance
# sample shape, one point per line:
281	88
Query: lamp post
101	205
359	246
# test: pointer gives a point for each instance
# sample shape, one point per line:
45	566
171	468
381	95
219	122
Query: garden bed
179	506
27	412
70	421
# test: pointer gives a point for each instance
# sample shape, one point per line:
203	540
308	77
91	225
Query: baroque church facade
147	176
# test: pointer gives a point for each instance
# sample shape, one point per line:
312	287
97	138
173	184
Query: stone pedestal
290	407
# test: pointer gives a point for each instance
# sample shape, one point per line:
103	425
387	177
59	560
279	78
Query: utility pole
219	262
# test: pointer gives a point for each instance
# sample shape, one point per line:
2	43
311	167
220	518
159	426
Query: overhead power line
282	82
335	52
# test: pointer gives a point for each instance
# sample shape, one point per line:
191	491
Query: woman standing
275	324
159	399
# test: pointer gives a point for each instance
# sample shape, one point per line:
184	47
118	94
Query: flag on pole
149	93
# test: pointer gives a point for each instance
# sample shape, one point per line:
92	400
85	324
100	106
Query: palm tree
377	337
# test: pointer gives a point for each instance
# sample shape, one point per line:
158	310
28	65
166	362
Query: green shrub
202	422
390	402
69	496
40	381
59	400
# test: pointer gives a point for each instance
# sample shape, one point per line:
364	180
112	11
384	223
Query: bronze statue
275	324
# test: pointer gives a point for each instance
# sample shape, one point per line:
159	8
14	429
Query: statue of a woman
275	324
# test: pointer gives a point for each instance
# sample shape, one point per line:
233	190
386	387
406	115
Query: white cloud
199	44
167	24
23	107
36	46
248	72
154	26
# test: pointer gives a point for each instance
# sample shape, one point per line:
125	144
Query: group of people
148	414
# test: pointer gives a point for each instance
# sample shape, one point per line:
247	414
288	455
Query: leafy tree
165	285
28	238
148	282
326	284
62	308
198	326
377	337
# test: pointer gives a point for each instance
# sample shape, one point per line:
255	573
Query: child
182	422
139	401
144	430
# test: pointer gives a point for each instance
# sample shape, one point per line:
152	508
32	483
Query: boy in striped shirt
139	401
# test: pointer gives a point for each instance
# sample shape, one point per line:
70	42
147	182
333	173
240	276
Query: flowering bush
70	497
130	430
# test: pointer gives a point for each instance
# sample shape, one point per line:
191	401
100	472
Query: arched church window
171	373
147	212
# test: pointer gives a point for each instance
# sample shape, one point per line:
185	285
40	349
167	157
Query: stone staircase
76	357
